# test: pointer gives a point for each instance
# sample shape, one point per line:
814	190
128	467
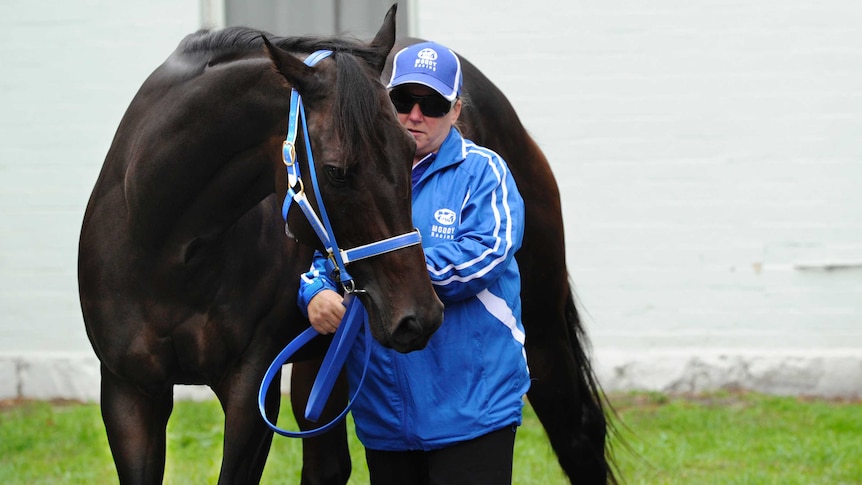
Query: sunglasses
432	105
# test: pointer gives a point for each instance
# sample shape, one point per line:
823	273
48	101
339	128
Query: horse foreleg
136	427
247	439
325	458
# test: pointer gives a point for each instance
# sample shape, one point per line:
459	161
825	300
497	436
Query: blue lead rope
354	317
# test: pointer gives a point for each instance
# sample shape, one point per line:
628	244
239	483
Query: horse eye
336	175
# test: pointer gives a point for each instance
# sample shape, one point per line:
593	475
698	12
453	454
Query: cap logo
426	58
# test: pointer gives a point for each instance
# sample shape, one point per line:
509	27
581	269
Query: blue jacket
471	378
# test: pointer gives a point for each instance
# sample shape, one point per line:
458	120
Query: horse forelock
358	113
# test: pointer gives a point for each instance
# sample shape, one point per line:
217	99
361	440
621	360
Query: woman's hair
465	102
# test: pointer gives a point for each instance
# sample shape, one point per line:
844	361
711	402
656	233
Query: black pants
486	460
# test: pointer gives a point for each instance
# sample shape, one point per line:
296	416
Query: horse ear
385	39
297	73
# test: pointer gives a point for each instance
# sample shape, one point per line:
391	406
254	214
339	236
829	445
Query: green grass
732	438
719	438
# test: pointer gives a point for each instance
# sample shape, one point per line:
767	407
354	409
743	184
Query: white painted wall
709	153
710	157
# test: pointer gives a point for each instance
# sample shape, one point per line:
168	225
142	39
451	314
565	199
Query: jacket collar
453	151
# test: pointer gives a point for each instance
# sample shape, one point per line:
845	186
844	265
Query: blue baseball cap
429	64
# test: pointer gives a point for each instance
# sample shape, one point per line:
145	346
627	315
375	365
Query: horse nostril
409	335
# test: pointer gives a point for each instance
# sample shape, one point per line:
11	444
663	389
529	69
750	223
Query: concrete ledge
49	376
75	376
829	373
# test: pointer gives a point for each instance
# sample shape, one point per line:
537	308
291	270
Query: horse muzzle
413	332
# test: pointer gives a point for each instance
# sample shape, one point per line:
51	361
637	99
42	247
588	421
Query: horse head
360	156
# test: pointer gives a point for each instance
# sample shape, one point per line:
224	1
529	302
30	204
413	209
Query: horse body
173	289
175	198
186	275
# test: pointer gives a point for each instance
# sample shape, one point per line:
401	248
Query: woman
446	413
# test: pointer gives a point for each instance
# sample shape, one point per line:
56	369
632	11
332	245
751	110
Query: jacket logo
445	217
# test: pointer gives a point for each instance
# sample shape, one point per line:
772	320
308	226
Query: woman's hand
325	311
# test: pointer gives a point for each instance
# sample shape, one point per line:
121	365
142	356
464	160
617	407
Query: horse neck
202	151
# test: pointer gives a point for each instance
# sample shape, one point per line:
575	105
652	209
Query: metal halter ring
292	153
301	186
349	287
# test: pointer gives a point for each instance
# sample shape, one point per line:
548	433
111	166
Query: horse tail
596	411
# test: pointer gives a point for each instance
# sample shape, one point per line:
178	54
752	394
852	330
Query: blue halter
355	315
321	225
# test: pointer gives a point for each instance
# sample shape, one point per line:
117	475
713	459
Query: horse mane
235	40
227	39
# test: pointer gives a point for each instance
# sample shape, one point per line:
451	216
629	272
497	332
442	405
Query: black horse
186	275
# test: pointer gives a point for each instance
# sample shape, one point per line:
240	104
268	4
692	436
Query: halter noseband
340	257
